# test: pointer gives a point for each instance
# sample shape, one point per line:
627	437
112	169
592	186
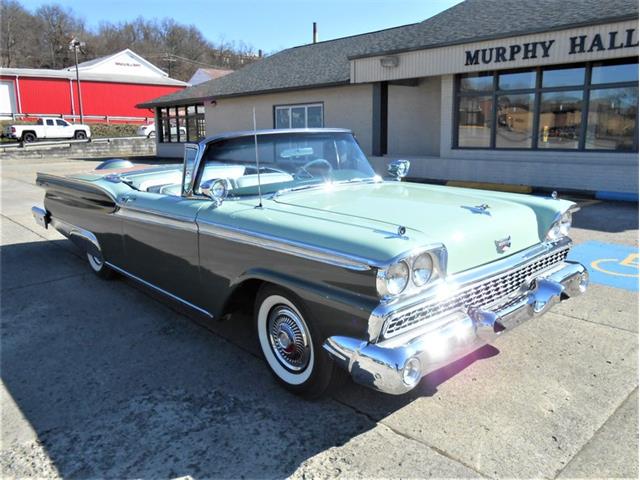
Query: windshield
287	160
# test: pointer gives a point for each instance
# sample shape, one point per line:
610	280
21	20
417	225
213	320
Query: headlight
422	269
393	279
560	228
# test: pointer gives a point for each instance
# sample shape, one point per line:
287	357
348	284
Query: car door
50	128
161	239
63	129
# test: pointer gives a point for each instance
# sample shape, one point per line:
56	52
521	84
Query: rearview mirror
399	169
216	189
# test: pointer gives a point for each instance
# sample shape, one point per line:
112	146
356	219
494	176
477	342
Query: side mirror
399	169
216	189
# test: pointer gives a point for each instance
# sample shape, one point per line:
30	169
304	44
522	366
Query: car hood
430	214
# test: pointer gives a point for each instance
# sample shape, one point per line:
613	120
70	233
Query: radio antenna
255	141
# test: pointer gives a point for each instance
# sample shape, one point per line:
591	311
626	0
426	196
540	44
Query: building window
591	106
299	116
181	124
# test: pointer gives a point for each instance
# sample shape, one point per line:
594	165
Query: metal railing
96	118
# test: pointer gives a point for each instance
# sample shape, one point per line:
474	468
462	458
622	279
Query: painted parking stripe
609	263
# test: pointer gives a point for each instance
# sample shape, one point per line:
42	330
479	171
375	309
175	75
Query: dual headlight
394	279
560	227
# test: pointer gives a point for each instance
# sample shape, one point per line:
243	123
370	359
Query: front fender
335	311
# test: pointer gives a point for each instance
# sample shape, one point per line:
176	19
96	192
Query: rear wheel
99	267
80	135
29	137
291	344
151	135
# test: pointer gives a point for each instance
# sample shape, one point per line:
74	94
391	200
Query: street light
74	45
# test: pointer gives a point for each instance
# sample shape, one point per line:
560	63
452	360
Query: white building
538	93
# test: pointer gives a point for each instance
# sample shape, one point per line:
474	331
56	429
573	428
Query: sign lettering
599	42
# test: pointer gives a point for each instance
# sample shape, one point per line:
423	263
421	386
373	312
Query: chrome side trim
158	289
81	237
281	245
461	281
153	217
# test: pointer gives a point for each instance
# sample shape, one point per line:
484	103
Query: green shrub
103	130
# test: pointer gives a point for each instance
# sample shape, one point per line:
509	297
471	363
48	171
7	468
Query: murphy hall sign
573	45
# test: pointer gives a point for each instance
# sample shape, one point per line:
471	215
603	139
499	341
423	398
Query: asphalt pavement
101	379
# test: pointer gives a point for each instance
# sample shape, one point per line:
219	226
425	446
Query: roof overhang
201	99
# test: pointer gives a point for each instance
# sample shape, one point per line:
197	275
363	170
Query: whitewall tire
291	345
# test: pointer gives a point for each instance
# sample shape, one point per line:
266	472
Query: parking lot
100	379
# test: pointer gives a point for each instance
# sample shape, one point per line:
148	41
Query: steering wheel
318	161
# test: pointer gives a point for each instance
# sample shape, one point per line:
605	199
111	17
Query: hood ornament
503	244
480	209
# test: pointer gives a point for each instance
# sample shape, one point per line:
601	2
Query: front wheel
291	343
80	135
99	267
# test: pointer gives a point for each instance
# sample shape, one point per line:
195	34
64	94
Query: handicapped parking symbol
621	268
609	264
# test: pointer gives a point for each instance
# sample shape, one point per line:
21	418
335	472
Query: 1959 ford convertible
388	280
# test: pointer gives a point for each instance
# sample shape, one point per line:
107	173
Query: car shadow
611	217
114	383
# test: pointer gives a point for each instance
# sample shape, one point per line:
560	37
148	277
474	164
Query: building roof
97	77
204	74
121	58
327	63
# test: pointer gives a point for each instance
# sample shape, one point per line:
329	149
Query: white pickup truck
47	128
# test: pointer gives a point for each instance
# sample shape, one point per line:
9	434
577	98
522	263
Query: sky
269	25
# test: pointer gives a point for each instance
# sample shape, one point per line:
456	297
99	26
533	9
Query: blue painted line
617	196
609	263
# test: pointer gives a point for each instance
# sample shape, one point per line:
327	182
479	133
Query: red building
110	89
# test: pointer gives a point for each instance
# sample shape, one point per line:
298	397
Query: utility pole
169	59
75	45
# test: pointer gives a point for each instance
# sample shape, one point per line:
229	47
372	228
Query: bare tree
41	40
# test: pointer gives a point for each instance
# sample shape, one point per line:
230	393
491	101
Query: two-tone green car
386	279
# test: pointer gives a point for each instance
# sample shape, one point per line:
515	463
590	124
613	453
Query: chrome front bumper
396	365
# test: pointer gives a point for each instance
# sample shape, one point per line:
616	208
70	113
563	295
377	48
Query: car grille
488	292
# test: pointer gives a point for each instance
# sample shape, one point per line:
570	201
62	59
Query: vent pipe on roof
315	32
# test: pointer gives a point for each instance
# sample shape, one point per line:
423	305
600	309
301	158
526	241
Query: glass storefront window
514	126
314	117
181	124
299	116
474	121
476	82
614	73
612	118
588	106
563	77
560	119
517	80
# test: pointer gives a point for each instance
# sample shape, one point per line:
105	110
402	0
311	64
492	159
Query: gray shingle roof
327	63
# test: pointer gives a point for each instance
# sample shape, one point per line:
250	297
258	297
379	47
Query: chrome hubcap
289	338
